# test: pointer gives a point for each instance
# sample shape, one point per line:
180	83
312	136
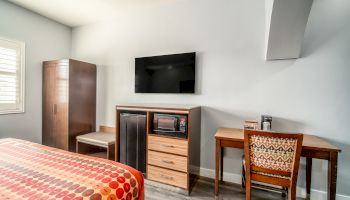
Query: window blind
11	76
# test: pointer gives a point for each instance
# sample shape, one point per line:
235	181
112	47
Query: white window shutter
12	72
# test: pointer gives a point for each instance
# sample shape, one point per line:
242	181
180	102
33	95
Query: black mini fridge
133	140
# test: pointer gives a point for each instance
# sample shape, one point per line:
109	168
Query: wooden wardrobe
69	102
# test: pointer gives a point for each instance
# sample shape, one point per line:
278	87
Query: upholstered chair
272	158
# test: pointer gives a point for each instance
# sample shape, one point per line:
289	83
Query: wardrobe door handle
55	109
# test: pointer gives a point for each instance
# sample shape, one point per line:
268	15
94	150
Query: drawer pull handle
167	145
168	161
167	177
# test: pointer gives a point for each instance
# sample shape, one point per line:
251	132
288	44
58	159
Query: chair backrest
272	157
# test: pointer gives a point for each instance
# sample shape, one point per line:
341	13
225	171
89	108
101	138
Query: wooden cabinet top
153	106
65	61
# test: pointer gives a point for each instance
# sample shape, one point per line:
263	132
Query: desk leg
217	163
332	175
222	164
308	177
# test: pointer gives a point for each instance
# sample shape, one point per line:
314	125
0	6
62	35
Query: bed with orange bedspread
33	171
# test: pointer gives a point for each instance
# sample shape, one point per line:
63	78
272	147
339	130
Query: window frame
21	107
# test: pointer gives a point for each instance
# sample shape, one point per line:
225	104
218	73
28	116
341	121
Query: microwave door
167	124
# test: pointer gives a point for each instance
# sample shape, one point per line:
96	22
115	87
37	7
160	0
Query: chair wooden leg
292	192
247	190
243	173
284	192
243	177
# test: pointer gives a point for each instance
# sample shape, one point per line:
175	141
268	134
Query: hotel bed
33	171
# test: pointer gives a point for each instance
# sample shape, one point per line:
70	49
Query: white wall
45	40
234	82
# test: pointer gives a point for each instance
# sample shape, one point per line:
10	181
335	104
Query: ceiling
80	12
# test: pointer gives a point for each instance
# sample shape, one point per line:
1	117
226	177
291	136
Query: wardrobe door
61	105
55	104
49	98
82	100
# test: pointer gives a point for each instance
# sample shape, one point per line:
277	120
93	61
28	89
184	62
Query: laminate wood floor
204	189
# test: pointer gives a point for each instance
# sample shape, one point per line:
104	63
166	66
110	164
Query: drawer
168	145
167	176
169	161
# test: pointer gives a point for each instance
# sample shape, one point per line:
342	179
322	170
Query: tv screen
165	74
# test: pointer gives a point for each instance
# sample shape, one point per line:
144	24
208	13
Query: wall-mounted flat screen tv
165	74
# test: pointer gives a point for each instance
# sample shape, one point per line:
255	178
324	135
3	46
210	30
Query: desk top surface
309	141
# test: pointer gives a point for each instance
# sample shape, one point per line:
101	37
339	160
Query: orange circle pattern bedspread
36	172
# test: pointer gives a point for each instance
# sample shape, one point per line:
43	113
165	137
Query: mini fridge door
133	140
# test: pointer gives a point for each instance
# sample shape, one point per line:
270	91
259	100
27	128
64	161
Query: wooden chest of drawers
169	160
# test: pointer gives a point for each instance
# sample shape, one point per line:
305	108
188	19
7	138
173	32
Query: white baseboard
319	194
229	177
301	192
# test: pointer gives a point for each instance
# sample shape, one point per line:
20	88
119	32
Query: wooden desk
313	147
